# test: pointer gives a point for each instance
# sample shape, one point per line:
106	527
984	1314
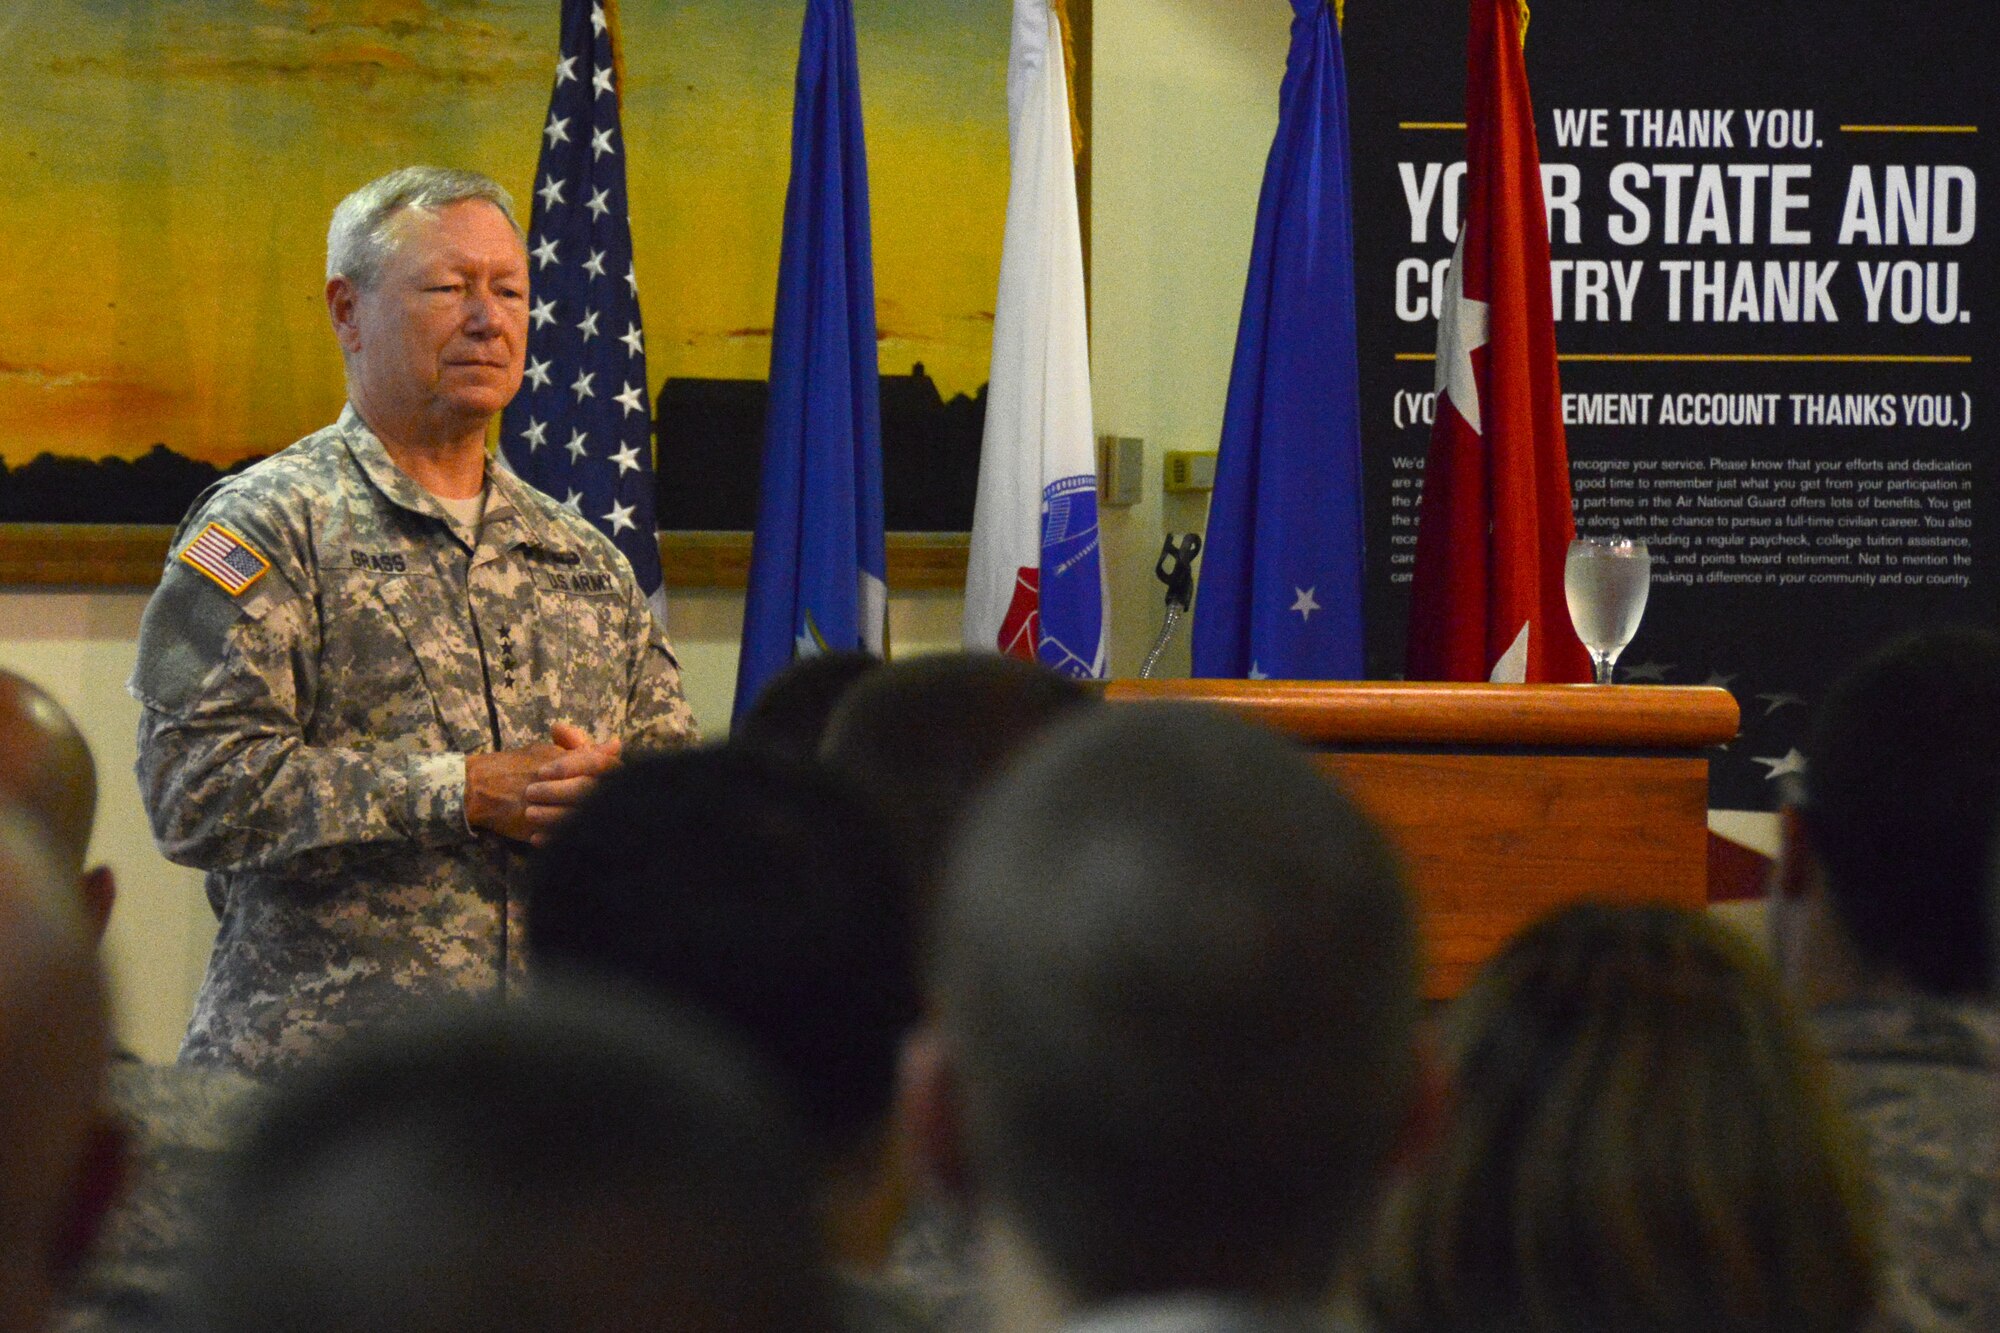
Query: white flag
1034	586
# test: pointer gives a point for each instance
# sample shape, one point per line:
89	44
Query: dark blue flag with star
581	427
1280	591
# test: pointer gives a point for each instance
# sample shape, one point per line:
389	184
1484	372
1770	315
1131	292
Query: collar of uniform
506	522
1911	1028
399	486
1205	1312
512	514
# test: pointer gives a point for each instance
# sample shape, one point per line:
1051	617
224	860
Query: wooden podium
1507	800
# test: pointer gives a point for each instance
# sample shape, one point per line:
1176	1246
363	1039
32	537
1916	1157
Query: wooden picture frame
132	555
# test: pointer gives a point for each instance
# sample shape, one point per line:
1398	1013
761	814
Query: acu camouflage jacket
324	649
1920	1078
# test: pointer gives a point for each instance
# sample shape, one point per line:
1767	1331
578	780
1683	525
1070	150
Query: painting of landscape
173	166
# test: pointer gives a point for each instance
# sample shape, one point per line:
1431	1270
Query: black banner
1774	305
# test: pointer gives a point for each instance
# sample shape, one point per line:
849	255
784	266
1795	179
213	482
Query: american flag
224	557
581	427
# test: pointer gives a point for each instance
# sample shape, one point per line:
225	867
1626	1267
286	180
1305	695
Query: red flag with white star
1494	527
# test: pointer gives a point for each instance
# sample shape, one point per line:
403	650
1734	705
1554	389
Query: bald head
52	1044
45	768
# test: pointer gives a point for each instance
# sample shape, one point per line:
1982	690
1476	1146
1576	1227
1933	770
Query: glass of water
1605	580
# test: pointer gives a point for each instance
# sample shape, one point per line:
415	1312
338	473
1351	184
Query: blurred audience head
1889	836
1175	989
1641	1140
761	894
564	1163
53	1035
46	772
921	736
790	716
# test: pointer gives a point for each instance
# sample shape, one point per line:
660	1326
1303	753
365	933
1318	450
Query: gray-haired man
376	666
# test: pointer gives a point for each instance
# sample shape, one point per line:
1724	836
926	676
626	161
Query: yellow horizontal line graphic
1909	129
1430	124
1763	358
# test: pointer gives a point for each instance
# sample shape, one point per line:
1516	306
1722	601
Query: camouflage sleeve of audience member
225	679
657	716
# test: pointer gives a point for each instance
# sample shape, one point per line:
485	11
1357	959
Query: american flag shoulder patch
226	558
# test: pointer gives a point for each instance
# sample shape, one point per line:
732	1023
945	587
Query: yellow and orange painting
172	163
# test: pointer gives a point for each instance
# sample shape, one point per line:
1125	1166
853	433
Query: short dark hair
1641	1138
790	714
1902	778
1178	968
566	1162
920	737
758	892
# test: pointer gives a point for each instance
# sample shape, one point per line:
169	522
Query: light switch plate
1190	471
1121	465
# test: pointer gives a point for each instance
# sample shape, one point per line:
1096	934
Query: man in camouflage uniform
376	666
175	1121
1879	925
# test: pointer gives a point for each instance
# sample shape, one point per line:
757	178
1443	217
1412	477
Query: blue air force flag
817	561
1280	591
581	427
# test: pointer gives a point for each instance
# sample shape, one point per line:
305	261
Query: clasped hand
523	793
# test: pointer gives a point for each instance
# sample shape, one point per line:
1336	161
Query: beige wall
1183	109
1185	105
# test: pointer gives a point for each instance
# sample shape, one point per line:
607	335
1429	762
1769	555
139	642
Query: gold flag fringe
617	51
1061	10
